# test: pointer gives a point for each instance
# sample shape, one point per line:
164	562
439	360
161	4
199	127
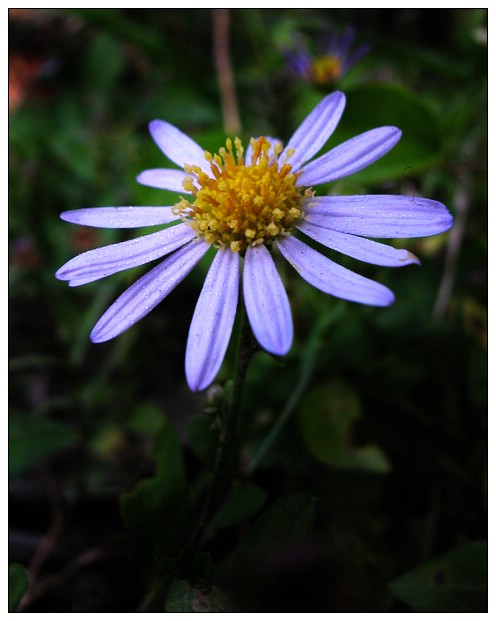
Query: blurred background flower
327	59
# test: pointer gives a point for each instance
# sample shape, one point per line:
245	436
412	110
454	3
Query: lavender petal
376	215
142	297
177	146
164	179
332	278
212	321
119	217
358	247
102	262
314	131
266	301
351	156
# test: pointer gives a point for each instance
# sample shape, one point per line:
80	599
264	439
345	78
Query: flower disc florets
243	204
325	69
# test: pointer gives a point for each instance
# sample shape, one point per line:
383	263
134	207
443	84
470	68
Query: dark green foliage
32	438
155	513
453	582
18	583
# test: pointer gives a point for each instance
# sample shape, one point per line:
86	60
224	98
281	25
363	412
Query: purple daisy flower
334	58
248	205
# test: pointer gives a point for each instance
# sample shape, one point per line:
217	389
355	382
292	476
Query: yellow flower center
242	204
325	70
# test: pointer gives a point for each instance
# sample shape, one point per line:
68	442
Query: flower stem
454	246
223	466
232	123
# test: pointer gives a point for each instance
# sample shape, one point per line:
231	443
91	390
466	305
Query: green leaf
326	418
102	76
308	357
378	105
289	519
453	582
121	27
146	418
18	584
185	106
155	512
34	438
203	438
241	505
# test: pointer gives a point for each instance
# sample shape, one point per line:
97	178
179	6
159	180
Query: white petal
102	262
315	130
379	216
358	247
351	156
120	217
212	321
164	179
266	302
147	292
177	146
332	278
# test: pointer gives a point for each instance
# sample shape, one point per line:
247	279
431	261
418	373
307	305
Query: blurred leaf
203	438
154	513
453	582
308	358
284	31
289	519
185	106
180	597
241	504
18	584
420	144
101	76
326	418
34	438
183	597
146	418
71	149
113	21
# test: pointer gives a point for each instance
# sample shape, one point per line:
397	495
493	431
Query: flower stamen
242	204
